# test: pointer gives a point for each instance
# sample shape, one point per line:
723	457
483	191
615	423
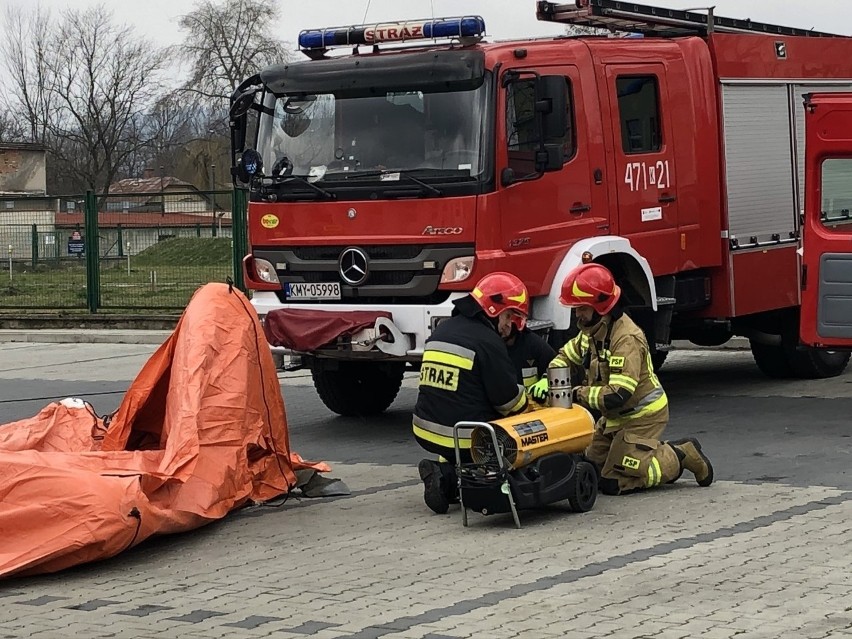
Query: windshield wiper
426	186
404	173
282	180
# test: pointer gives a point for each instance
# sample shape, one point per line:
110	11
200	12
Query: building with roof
135	214
152	193
23	169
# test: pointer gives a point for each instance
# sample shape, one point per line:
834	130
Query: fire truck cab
826	317
385	182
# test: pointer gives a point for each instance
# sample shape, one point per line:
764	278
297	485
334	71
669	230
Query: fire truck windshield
324	135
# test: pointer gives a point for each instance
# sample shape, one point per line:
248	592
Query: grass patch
187	251
163	276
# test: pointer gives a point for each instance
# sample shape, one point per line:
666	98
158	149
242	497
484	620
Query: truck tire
358	388
812	363
771	359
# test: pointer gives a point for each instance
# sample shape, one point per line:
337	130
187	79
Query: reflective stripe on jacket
573	353
465	375
620	380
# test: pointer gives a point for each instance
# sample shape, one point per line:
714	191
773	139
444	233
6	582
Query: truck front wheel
357	388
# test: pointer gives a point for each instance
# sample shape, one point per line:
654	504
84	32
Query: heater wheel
584	488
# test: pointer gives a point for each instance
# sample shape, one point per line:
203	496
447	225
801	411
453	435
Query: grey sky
504	18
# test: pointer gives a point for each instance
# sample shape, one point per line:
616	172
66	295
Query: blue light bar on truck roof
465	27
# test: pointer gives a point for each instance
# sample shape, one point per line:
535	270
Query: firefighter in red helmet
467	375
619	383
530	353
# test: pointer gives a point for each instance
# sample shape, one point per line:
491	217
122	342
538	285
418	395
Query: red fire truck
385	182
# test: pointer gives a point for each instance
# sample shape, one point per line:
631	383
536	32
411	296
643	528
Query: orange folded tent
201	431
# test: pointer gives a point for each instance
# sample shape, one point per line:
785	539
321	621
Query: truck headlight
265	271
457	269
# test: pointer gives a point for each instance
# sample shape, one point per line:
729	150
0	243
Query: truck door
643	156
826	314
561	206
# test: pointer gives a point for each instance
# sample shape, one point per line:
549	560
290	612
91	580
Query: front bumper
415	322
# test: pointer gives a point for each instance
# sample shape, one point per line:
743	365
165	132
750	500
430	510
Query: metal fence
130	251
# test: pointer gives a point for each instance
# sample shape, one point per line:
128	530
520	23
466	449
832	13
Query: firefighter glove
539	390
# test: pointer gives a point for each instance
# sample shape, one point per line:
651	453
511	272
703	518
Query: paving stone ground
737	559
730	560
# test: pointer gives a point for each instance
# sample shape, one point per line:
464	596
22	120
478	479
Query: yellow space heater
526	437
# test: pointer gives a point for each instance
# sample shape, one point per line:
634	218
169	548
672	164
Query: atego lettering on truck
425	157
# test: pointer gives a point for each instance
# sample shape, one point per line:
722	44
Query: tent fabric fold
202	430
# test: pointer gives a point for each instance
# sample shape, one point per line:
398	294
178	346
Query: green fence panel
137	251
40	266
157	248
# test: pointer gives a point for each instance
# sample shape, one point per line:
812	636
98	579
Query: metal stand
505	488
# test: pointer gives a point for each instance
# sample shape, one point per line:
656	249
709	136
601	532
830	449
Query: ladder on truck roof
656	21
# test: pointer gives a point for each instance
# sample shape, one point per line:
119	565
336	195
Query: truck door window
639	111
521	132
836	192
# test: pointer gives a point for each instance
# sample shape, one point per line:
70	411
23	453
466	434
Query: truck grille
378	278
398	252
400	274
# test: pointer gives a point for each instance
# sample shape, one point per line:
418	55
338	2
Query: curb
70	336
97	322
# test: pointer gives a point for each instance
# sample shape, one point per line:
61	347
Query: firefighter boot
435	490
692	459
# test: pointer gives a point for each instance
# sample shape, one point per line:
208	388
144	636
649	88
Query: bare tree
226	42
26	50
170	126
83	82
10	127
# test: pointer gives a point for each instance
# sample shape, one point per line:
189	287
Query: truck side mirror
249	165
552	94
242	102
549	157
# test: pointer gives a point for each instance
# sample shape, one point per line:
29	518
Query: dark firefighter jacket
531	356
466	375
620	380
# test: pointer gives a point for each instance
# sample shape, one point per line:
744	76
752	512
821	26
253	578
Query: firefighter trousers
633	457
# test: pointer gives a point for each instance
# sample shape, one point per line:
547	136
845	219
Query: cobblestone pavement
729	560
738	559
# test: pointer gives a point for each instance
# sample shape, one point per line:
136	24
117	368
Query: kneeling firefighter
620	384
467	375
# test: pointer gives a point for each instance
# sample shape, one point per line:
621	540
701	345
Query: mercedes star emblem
354	266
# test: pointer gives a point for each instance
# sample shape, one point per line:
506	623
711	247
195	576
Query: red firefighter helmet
499	291
590	285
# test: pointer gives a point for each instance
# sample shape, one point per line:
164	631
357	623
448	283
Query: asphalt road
754	429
